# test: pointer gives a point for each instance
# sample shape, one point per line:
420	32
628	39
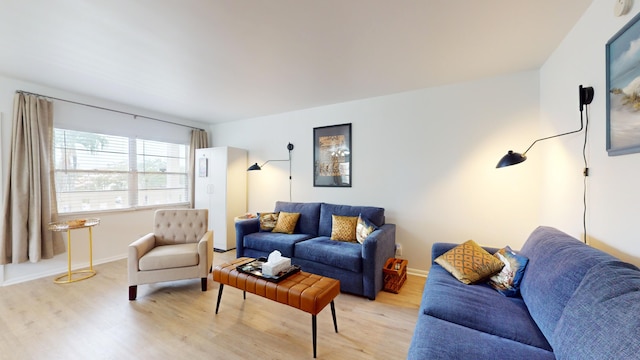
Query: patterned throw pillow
343	228
268	221
507	281
286	222
469	262
364	228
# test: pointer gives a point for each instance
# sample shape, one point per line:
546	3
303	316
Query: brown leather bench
307	292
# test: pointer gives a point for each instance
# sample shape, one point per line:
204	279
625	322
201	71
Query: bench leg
219	297
244	295
333	314
314	332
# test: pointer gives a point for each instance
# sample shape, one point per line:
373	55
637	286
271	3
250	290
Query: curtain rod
107	109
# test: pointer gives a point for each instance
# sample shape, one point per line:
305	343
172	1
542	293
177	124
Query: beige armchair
180	247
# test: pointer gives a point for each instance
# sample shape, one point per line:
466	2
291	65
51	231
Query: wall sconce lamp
585	95
255	166
512	158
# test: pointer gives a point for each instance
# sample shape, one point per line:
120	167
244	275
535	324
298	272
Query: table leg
90	249
333	314
219	297
314	332
68	255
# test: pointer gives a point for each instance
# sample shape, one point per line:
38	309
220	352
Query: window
102	172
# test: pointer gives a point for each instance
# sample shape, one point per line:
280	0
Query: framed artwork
332	156
623	90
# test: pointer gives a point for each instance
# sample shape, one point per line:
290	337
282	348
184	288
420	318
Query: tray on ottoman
255	268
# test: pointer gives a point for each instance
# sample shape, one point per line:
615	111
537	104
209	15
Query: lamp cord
290	181
586	172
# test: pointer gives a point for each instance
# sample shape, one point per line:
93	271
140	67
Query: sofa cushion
601	319
436	339
469	262
309	215
170	256
481	308
374	214
268	220
364	228
343	228
343	255
286	222
507	281
269	241
557	264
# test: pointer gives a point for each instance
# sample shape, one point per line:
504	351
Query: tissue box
273	268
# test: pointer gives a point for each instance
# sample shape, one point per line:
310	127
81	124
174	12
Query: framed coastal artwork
332	156
623	90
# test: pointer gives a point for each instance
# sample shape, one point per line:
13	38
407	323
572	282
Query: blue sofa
358	267
576	302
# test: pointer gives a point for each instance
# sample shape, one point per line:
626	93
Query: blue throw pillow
507	281
364	227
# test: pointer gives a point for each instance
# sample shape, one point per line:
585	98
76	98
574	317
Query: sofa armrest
243	228
440	248
136	250
205	248
379	246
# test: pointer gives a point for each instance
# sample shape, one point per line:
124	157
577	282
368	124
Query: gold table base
68	277
86	273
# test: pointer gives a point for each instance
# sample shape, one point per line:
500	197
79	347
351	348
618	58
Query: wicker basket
395	274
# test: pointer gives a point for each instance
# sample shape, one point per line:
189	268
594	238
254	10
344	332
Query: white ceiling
222	60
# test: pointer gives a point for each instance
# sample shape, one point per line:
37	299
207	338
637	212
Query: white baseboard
59	270
417	272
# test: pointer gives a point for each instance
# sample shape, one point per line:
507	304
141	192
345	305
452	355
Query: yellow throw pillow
286	222
343	228
469	262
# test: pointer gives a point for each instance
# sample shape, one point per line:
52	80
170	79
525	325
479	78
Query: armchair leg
204	283
133	292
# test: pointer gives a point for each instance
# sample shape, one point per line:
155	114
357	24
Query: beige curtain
199	140
30	196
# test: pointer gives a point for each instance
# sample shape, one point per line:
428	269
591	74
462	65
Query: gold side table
73	225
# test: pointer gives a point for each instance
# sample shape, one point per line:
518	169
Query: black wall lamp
512	158
585	95
255	166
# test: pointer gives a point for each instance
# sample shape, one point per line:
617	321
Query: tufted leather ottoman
307	292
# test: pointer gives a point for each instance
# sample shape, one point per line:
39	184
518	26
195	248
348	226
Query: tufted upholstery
180	247
307	292
179	226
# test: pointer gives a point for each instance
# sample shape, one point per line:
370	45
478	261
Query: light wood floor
93	319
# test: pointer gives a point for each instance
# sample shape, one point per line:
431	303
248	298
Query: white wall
613	196
116	230
428	157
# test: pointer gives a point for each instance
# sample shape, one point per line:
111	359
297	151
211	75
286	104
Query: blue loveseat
358	267
576	302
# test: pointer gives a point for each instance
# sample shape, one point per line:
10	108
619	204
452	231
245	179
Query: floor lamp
255	166
585	95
